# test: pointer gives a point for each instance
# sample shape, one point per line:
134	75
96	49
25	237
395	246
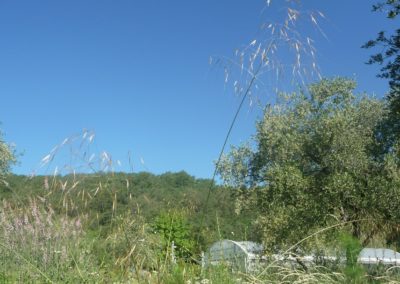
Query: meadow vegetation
109	227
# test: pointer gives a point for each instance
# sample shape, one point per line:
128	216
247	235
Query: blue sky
137	73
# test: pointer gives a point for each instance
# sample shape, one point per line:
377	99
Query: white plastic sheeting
379	256
248	256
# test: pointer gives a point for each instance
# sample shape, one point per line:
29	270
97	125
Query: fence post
173	258
203	261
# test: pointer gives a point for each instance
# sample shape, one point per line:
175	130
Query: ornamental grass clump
38	245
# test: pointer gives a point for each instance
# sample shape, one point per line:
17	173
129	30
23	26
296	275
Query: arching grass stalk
250	85
266	53
77	267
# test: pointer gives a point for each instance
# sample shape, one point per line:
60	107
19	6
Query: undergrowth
42	245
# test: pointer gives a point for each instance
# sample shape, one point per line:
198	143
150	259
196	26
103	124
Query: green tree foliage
315	165
389	58
7	157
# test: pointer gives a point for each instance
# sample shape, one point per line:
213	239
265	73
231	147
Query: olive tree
387	56
314	164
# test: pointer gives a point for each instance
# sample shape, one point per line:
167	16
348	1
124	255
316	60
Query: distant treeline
104	196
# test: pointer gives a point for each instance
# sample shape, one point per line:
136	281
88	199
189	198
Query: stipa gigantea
76	160
259	67
283	53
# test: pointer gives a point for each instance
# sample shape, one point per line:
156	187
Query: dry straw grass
283	52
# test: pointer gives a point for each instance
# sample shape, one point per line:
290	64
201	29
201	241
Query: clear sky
137	73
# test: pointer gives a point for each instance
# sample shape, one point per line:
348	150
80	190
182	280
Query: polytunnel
243	256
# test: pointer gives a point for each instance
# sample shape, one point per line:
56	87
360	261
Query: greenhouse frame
247	256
